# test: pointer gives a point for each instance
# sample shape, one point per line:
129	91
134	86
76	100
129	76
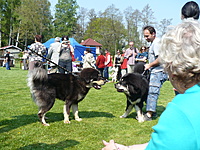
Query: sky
163	9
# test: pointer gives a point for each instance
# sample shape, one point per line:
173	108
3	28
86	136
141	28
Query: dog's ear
89	74
38	64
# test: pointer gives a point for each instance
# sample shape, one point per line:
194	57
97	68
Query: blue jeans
8	65
155	83
106	73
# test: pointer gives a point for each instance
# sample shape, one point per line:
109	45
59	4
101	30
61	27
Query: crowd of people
179	54
61	55
176	55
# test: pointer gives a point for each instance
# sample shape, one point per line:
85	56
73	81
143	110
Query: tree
147	17
2	11
162	27
81	23
82	18
107	29
133	19
7	20
65	17
91	14
35	18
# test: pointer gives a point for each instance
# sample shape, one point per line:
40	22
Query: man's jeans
156	81
106	72
8	65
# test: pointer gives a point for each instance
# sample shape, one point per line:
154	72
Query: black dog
135	86
67	87
139	68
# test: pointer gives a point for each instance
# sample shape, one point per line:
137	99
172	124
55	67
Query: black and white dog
135	86
70	88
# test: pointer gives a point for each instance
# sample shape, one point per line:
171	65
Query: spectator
88	61
25	59
7	60
53	54
100	63
117	63
142	56
157	75
36	48
178	126
108	64
130	54
190	11
65	58
123	64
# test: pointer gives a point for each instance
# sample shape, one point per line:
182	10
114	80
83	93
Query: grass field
100	111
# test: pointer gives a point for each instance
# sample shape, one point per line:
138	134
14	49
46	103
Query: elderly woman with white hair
179	125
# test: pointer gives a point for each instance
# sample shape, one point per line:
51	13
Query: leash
144	72
36	52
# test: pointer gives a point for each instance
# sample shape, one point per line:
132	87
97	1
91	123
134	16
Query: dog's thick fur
67	87
135	86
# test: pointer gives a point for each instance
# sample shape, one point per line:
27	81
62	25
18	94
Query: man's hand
147	66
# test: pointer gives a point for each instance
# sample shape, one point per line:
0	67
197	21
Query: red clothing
108	61
101	61
73	58
124	63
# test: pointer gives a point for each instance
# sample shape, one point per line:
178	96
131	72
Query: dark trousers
101	71
106	73
65	64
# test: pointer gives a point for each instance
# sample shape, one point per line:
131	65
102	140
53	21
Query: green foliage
20	55
34	17
65	17
107	29
108	32
23	19
100	111
7	18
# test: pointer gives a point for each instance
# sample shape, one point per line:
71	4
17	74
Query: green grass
100	111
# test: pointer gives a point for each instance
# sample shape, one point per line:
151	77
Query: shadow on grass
17	121
22	120
159	111
54	117
58	146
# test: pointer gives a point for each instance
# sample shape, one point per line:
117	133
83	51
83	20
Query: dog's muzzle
117	86
98	84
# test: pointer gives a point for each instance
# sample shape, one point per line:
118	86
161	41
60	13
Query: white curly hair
180	51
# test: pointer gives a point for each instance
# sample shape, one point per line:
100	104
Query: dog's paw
67	121
140	119
122	116
78	119
46	124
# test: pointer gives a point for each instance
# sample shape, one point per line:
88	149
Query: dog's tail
37	77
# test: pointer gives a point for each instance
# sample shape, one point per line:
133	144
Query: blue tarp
78	48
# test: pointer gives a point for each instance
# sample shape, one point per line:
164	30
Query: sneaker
146	118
